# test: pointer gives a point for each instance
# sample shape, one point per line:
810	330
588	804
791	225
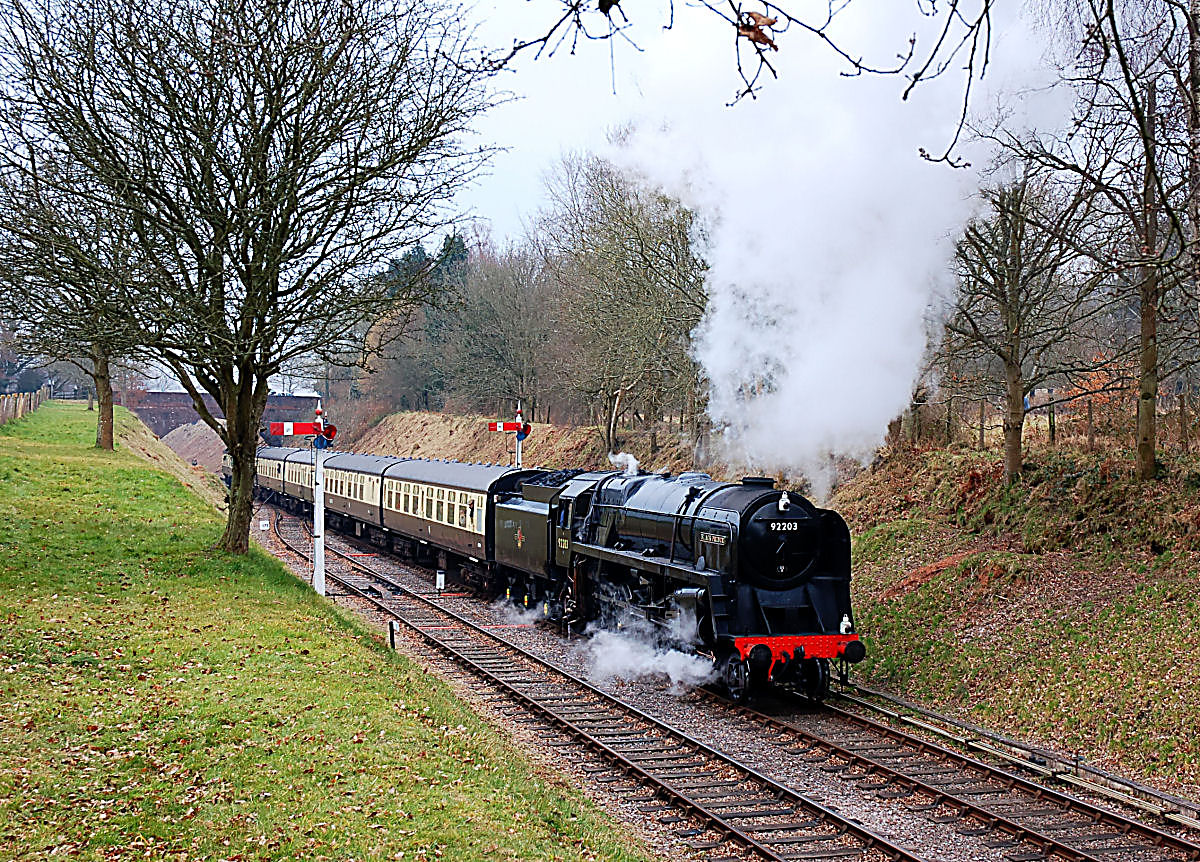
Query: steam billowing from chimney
625	462
828	237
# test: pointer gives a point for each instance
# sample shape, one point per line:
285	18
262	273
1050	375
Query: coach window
462	516
428	504
406	493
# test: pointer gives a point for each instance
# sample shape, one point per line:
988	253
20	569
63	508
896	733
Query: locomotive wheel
814	679
735	676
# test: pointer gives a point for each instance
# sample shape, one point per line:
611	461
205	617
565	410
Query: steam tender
759	578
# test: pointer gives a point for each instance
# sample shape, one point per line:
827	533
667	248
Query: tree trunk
1052	428
949	420
1014	421
90	402
102	377
244	407
1193	124
1184	445
613	413
1147	404
1091	428
982	419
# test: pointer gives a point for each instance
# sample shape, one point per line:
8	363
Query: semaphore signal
519	427
323	436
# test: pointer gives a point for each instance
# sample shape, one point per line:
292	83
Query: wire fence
17	405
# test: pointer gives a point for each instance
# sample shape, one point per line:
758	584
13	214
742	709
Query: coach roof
372	464
452	474
273	453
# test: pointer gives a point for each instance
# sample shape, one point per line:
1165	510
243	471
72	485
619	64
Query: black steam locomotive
761	576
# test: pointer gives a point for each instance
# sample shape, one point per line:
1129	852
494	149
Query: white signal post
319	510
520	421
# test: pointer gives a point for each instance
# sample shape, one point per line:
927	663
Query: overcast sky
570	102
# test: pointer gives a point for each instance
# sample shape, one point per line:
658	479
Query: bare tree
1024	301
630	279
62	258
270	153
1131	155
955	38
497	352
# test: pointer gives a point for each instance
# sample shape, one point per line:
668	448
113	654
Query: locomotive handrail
677	519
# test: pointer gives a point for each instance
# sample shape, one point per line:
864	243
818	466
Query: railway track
1020	819
1048	765
1005	810
716	802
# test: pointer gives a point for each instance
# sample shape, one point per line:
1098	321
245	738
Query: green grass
163	700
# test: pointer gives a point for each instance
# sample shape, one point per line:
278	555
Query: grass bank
1063	609
162	700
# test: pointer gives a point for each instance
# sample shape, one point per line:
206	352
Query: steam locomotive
758	578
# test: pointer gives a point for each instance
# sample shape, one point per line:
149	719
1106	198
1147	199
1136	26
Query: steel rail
974	770
677	793
1171	809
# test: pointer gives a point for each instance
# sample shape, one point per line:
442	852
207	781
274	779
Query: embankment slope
163	700
466	438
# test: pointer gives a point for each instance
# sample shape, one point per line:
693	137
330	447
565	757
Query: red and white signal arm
504	426
290	429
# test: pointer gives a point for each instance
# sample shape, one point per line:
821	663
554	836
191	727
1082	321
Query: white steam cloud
630	655
828	236
624	461
514	615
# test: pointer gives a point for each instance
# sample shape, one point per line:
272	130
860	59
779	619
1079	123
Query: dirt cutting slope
197	444
466	438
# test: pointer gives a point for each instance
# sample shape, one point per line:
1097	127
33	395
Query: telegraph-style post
519	436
